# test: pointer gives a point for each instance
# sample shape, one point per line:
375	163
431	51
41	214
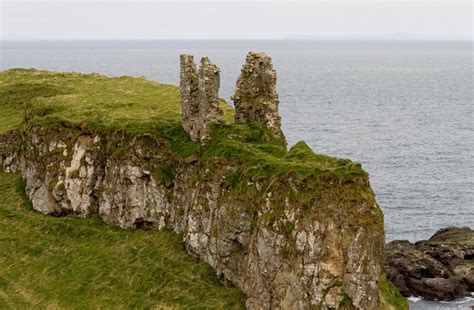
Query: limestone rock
282	252
255	98
441	268
199	96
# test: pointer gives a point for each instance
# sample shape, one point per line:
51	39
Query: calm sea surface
402	109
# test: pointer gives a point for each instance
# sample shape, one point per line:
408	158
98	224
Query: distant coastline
290	37
6	44
382	37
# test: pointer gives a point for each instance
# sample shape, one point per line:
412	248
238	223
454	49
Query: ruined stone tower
189	92
255	98
199	96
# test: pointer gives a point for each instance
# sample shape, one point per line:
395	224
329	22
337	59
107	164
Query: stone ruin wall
255	98
199	96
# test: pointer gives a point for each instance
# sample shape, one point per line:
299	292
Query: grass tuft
390	297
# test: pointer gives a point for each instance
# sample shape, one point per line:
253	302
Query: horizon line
359	38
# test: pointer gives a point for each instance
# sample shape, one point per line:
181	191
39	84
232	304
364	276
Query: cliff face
287	243
293	229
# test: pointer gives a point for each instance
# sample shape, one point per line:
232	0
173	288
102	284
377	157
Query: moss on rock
390	297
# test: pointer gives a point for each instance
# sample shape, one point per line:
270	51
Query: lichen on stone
199	97
255	97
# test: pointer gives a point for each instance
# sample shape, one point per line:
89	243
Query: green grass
76	263
469	263
390	297
94	101
136	106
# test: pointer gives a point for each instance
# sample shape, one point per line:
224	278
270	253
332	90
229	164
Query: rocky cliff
291	228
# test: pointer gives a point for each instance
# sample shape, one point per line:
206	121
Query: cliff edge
293	229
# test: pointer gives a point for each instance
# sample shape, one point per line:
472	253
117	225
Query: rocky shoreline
440	268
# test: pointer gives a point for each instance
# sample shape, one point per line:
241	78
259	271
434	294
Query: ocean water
404	110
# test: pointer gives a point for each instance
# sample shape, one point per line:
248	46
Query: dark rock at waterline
440	268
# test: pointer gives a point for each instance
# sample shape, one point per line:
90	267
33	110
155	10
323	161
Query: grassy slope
97	102
65	262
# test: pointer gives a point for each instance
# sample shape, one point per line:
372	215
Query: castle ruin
255	98
199	97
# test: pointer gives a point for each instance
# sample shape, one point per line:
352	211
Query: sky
182	19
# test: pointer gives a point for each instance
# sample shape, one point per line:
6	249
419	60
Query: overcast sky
230	20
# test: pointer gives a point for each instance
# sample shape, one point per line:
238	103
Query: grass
469	263
94	101
390	297
136	106
69	262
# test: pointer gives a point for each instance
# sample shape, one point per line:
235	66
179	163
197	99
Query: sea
403	109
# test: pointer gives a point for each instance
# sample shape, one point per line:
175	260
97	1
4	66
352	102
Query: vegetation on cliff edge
136	106
390	297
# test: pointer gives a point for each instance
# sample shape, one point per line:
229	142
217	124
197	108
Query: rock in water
255	98
441	268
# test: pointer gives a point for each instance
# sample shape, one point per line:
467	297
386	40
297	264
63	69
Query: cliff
291	228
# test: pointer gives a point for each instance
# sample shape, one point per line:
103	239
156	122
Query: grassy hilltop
137	106
65	262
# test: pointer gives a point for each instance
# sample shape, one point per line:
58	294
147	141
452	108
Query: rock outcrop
283	252
199	96
255	98
440	268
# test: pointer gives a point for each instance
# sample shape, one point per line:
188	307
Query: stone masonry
255	98
199	96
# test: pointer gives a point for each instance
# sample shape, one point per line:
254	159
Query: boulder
440	268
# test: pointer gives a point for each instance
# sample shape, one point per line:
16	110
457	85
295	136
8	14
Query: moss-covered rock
390	297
